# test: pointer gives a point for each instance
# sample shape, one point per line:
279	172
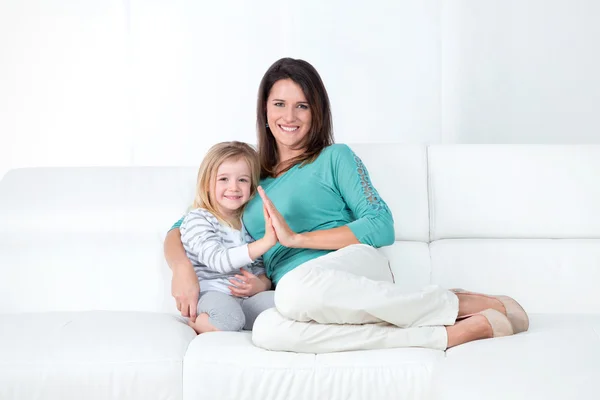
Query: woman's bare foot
472	303
202	324
473	328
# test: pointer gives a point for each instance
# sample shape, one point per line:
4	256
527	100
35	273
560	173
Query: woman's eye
278	104
303	106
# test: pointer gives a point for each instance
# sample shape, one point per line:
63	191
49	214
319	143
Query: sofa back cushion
544	275
518	219
95	199
399	173
514	191
75	239
92	238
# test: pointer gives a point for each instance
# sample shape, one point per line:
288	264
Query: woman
334	291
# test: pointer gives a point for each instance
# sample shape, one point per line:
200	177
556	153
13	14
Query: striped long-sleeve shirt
216	250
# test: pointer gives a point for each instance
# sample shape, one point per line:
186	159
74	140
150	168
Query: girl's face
288	114
232	186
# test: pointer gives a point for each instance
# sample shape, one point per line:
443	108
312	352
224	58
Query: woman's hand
247	284
184	284
270	236
261	246
285	235
186	289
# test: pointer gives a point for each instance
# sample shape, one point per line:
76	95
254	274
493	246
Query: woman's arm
327	239
174	251
184	284
373	225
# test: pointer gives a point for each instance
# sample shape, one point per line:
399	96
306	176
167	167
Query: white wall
197	72
521	71
140	82
137	82
64	97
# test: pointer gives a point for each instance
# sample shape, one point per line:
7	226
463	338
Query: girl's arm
263	278
202	237
247	284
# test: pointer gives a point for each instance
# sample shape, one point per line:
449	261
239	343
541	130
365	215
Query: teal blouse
334	190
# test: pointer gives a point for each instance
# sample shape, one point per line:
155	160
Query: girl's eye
243	180
223	179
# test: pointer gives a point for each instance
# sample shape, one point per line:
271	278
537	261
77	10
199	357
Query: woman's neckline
284	173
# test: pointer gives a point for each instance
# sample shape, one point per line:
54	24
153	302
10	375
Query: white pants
347	300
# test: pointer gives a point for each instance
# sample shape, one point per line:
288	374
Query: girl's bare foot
202	324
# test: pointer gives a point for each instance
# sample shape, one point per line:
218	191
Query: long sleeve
258	266
373	224
204	239
178	223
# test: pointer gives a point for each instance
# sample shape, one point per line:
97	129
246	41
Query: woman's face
288	114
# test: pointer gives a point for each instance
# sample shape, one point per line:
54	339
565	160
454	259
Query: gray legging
230	313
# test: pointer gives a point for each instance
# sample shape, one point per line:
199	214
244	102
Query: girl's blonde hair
208	172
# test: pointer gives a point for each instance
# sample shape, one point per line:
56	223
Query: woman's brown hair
320	134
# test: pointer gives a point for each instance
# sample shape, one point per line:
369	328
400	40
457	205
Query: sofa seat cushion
92	355
558	358
226	365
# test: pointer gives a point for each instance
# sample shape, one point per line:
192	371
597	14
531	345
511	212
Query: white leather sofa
86	311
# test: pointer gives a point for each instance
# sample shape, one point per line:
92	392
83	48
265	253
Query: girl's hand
247	284
261	246
285	235
270	236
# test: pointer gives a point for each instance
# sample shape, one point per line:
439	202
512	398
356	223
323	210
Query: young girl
227	261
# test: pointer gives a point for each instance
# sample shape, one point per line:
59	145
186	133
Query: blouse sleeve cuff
239	256
360	228
375	233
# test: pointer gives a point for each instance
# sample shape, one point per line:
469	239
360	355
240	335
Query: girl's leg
218	312
354	285
253	306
